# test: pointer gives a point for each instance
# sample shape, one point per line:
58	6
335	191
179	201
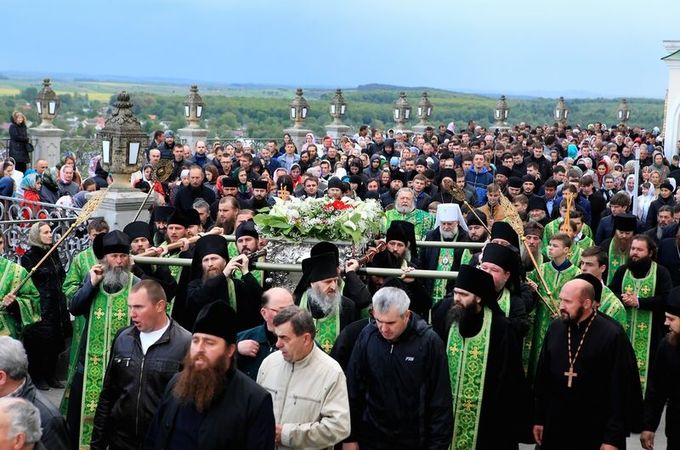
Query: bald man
586	394
255	344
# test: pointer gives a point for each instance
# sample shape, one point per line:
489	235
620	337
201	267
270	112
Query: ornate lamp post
402	111
501	114
298	109
424	112
561	111
193	107
623	114
338	108
47	104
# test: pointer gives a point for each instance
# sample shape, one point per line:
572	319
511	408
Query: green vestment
27	300
327	328
422	221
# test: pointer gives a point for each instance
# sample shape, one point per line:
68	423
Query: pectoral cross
327	346
571	374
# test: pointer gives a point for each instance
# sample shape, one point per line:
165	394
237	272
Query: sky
576	48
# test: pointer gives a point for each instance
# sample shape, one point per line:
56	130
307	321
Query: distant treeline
267	116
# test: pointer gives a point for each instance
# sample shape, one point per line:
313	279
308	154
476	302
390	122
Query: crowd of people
561	330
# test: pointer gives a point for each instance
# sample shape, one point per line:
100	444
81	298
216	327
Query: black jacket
240	418
48	279
399	392
18	142
55	434
134	385
654	209
187	195
664	390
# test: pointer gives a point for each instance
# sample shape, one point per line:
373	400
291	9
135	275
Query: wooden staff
180	243
516	223
89	208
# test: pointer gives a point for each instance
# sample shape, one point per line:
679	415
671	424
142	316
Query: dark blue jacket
248	364
479	181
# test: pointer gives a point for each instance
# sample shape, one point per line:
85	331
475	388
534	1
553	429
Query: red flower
339	204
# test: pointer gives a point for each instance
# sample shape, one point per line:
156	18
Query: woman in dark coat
44	341
18	143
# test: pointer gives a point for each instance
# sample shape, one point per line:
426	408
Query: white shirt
150	338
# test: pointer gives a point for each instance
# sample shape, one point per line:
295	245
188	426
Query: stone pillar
672	116
122	143
298	136
47	144
298	113
190	136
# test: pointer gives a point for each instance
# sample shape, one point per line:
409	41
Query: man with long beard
489	391
330	310
618	247
227	210
642	285
102	300
405	210
209	404
585	391
212	278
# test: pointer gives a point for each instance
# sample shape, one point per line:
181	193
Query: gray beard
403	209
115	278
448	234
325	303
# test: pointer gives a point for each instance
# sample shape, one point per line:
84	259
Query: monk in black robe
584	383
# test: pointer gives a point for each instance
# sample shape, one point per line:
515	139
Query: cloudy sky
536	47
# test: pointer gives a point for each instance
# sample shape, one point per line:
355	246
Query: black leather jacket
134	385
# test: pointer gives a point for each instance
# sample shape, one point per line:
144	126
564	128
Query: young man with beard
398	178
247	243
256	343
405	210
210	405
102	300
330	310
476	221
593	261
556	273
176	231
309	388
642	285
450	226
663	387
618	247
260	198
212	278
397	381
227	210
488	386
144	357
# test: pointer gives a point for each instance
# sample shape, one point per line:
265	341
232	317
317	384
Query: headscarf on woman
34	236
307	144
29	182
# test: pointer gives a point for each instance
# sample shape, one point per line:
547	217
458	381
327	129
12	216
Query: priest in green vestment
594	262
102	301
555	273
405	210
533	236
330	310
476	222
248	242
618	246
19	310
488	387
75	277
643	286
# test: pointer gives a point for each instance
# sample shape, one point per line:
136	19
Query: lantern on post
424	110
47	104
298	109
402	111
623	113
561	112
501	113
338	107
193	107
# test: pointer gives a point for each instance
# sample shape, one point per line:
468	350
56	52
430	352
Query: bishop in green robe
405	209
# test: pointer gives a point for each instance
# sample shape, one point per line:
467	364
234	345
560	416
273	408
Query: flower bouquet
320	218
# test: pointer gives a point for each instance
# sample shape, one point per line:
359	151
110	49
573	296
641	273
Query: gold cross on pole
571	374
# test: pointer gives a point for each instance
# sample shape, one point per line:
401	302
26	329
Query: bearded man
260	198
102	300
247	243
330	310
227	210
533	236
643	285
212	278
210	405
490	400
477	232
405	209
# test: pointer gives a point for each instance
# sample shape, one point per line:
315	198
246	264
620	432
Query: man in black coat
186	196
212	279
398	382
210	405
144	357
15	382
